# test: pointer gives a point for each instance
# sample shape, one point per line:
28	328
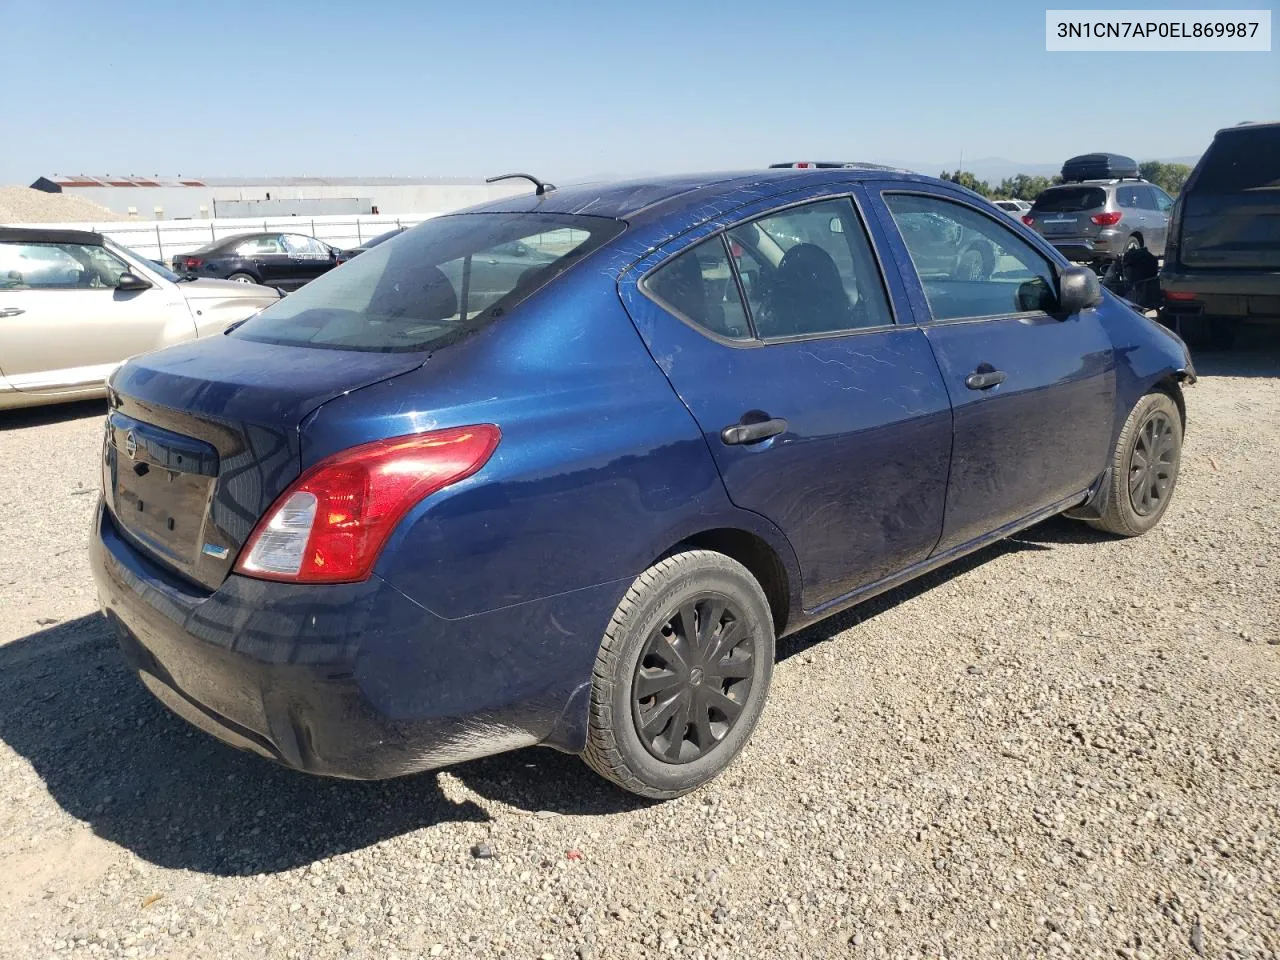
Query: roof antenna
539	187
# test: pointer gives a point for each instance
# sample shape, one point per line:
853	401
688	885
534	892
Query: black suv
1222	262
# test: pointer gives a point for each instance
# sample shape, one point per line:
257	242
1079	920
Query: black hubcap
1151	465
693	679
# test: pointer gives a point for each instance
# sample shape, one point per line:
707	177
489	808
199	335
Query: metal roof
638	199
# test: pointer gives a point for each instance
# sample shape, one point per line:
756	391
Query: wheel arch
761	560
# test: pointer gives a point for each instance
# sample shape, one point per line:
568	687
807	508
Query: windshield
155	266
431	284
1070	199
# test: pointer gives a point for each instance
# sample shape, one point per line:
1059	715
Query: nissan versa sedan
74	305
411	514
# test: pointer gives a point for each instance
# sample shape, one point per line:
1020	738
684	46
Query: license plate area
158	485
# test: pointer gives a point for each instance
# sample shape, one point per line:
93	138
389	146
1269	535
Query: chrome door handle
11	311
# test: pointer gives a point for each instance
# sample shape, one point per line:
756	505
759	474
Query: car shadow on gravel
828	629
1256	353
110	755
57	413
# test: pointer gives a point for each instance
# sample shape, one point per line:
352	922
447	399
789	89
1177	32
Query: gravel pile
24	205
1066	746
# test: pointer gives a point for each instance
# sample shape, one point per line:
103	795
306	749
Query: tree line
1167	176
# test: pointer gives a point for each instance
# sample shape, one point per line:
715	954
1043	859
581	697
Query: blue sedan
432	507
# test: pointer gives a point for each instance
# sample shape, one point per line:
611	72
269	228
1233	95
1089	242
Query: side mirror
1078	289
131	281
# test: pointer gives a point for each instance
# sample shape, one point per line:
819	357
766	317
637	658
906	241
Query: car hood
210	289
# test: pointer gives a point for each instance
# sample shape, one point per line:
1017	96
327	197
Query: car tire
243	278
671	705
1144	467
1133	243
975	264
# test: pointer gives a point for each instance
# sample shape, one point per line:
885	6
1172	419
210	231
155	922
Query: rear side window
1241	160
1070	200
699	286
1131	197
432	284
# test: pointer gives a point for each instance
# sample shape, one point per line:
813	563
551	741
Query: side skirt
938	560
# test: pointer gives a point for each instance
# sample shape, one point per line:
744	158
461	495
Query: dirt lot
1065	746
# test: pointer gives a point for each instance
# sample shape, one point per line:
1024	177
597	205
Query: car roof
647	199
49	235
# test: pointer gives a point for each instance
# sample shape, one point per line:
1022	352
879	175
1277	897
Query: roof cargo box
1099	166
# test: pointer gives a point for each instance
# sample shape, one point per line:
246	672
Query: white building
202	198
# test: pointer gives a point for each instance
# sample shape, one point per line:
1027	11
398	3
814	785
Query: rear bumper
1240	295
350	680
1089	249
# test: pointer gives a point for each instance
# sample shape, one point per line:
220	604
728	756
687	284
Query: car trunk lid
201	439
1231	231
1065	211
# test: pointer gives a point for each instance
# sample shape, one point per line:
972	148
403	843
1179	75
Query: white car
1014	208
74	306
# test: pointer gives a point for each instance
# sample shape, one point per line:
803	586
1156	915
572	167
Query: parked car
1015	208
74	305
423	515
1096	221
371	242
284	260
1222	265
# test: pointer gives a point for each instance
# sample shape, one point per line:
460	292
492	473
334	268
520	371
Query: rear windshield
1241	160
1070	199
431	284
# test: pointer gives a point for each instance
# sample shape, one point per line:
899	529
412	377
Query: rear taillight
1178	295
331	524
1107	219
1029	220
192	263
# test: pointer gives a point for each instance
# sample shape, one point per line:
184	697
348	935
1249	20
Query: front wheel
1144	467
682	675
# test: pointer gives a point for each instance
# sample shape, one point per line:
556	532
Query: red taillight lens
1178	295
1029	220
1107	219
191	263
330	526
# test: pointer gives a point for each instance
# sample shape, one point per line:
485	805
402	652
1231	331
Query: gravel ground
24	205
1064	746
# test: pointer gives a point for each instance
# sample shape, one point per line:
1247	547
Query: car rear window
1241	160
432	284
1070	199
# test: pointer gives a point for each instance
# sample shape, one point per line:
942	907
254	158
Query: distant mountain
995	169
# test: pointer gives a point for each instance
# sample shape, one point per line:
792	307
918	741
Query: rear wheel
243	278
1133	243
682	675
1144	467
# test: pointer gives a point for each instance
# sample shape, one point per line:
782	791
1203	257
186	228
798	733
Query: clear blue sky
565	90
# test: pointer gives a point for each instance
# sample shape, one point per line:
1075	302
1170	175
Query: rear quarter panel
600	469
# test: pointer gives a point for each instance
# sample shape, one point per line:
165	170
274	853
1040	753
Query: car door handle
984	378
739	433
11	311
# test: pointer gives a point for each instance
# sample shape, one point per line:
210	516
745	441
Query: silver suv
1100	220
